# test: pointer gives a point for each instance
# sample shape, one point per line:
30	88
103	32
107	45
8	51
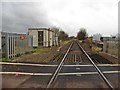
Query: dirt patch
43	57
37	57
109	57
12	81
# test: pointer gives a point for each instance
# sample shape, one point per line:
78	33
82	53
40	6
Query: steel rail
54	76
97	69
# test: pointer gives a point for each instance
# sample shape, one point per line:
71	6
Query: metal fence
13	44
111	46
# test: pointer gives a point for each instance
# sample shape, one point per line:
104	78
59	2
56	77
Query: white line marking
78	68
45	74
79	75
23	73
86	73
48	65
26	64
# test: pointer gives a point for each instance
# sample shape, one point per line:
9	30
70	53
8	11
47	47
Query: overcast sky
97	16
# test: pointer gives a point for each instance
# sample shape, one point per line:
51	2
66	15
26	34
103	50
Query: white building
96	37
44	37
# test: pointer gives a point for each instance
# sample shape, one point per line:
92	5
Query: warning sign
22	37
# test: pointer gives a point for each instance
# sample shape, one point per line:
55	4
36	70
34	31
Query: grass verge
6	60
41	50
96	49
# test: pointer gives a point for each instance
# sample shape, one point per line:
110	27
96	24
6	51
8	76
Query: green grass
6	60
96	49
80	41
65	42
41	50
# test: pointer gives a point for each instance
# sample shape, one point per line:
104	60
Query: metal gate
12	45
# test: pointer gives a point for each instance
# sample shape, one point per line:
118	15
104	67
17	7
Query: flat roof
43	28
38	28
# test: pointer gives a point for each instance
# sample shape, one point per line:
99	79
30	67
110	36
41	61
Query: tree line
81	35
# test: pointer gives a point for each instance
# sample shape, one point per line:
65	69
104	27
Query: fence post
7	45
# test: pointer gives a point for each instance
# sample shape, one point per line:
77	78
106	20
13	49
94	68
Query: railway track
55	74
74	69
75	53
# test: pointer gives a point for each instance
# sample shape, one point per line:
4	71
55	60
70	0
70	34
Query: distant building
44	37
96	37
97	40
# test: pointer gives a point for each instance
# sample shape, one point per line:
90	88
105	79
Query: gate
12	45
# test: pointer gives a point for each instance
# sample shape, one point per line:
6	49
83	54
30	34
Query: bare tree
63	35
82	34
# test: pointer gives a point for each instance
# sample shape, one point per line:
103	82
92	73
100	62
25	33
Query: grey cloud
19	16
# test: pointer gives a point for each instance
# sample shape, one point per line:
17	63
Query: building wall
0	46
96	37
49	37
44	38
34	33
0	41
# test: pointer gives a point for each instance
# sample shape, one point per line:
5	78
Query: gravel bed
105	56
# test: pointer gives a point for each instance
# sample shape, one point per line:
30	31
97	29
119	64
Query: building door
40	38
